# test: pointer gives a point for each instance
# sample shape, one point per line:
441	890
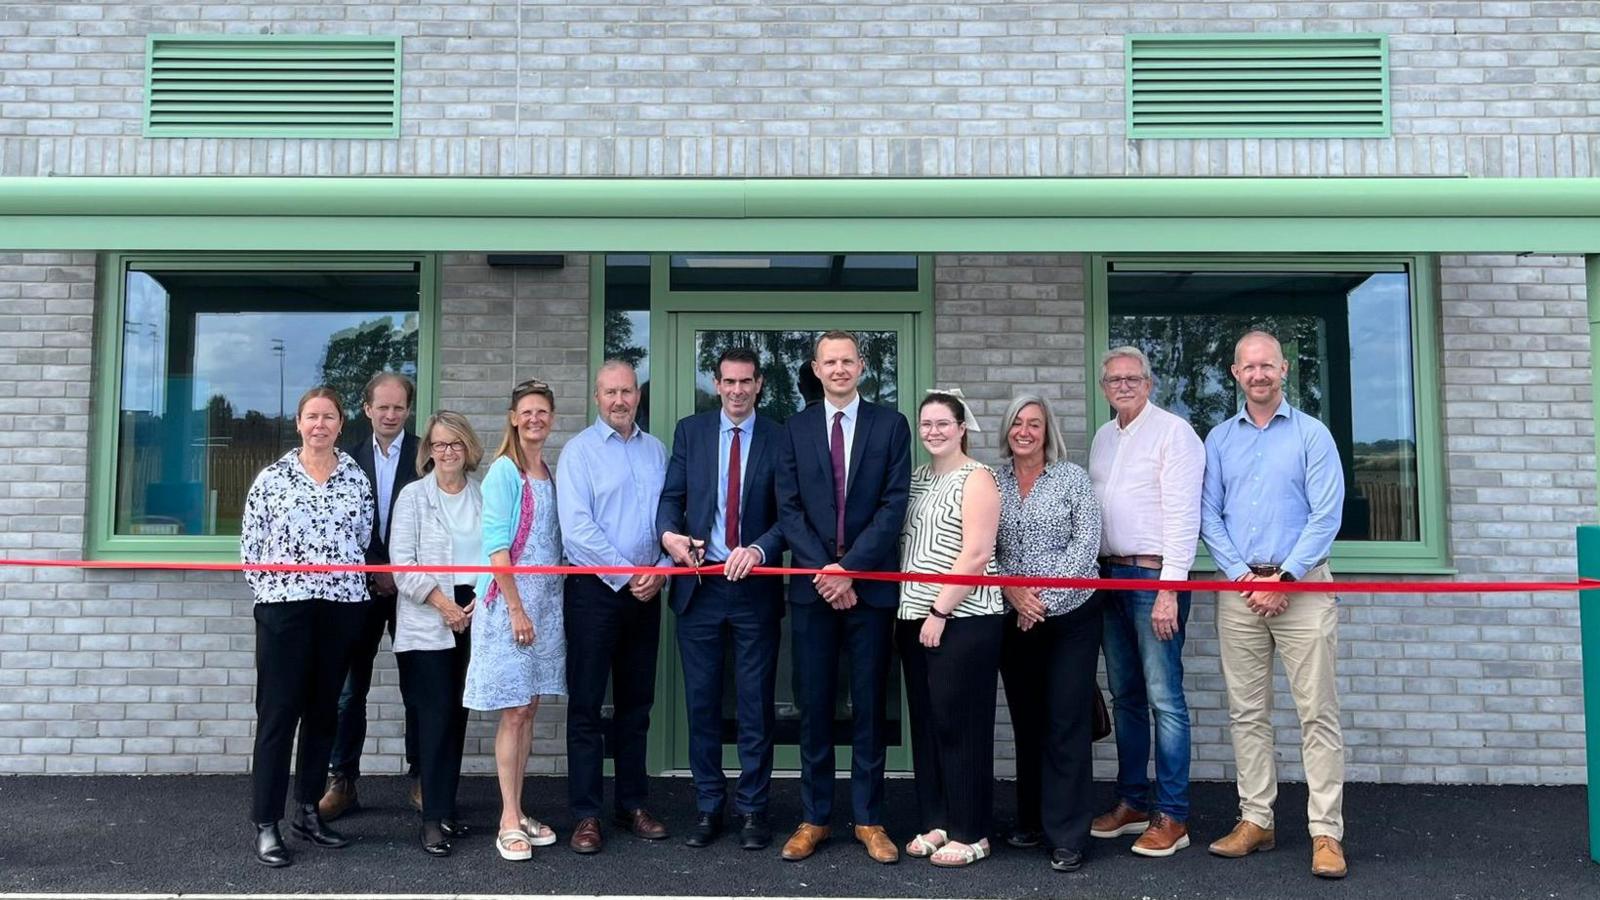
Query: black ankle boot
308	825
270	850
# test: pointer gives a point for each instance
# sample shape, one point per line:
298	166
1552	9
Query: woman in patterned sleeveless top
949	637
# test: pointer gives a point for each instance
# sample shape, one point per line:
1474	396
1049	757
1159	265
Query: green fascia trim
376	132
1249	130
101	539
1431	554
1016	215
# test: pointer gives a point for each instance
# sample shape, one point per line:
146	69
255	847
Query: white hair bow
966	411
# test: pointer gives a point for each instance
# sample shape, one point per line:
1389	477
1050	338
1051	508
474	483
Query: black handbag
1102	717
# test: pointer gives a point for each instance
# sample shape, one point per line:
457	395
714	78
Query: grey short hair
1127	352
1055	448
613	364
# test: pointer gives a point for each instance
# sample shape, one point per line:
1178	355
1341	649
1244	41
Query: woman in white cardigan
438	522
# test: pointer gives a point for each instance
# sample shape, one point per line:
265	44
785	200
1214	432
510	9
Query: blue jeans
1145	675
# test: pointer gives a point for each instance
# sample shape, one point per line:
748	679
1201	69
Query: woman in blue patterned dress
519	650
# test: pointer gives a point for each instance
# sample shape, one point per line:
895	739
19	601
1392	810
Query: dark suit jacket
874	504
405	472
689	498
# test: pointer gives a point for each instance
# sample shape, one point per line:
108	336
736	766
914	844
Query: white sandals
538	833
923	845
509	836
954	855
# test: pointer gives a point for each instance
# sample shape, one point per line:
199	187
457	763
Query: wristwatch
1285	576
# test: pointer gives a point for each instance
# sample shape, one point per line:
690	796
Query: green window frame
1429	555
101	540
1256	85
272	85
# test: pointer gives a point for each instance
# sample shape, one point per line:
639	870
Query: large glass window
211	361
1349	332
794	272
627	320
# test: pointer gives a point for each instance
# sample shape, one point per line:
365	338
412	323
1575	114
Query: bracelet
934	611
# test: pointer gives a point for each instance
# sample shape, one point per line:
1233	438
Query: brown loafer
1122	819
1245	839
804	841
586	838
642	824
1164	837
1327	858
878	845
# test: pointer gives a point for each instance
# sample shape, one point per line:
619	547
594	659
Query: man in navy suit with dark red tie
843	484
720	505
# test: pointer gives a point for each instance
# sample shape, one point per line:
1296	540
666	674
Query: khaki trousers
1306	636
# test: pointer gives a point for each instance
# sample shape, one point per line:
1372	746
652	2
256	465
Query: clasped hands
1265	603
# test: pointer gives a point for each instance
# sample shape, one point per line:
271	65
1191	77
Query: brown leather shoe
642	824
586	837
804	841
878	845
1122	819
1245	839
339	799
1164	837
414	793
1327	858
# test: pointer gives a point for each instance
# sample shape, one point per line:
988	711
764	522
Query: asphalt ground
189	834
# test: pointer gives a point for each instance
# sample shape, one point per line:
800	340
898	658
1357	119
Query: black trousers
1022	657
352	732
302	654
1073	648
610	635
950	695
431	682
744	617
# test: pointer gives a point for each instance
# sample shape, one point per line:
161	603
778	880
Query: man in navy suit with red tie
843	484
720	505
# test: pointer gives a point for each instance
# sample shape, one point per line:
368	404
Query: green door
784	342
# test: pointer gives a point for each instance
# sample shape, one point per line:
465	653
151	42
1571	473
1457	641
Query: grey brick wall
752	88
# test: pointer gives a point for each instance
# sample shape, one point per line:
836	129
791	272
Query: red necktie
836	450
733	492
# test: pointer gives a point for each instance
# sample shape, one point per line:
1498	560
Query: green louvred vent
272	86
1221	86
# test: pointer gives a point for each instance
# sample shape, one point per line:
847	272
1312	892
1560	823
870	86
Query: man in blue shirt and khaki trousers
1272	503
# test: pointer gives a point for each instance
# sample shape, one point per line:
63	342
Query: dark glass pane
627	325
794	272
1347	338
212	366
787	389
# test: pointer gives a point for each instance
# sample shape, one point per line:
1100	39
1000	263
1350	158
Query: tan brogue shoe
804	841
1327	858
1245	839
878	845
339	799
1121	820
1164	837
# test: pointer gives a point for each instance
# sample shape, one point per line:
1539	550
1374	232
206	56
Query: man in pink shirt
1147	466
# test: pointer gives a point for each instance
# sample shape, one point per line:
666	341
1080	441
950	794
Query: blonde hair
457	423
1054	446
510	444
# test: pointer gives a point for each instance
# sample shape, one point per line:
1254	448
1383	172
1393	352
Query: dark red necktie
733	492
836	450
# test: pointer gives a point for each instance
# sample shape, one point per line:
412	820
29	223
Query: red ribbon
1029	581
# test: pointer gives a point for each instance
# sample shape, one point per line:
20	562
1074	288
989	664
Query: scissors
697	552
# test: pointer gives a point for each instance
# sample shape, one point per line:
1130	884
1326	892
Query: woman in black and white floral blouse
1049	526
313	506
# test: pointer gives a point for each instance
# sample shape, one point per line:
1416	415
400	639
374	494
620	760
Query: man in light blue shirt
608	482
1270	507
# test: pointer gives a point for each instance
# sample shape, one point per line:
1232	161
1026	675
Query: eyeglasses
1123	381
941	425
450	446
532	384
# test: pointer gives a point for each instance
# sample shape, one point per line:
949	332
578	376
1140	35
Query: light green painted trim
1430	554
1589	643
1228	115
242	45
101	539
1591	270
